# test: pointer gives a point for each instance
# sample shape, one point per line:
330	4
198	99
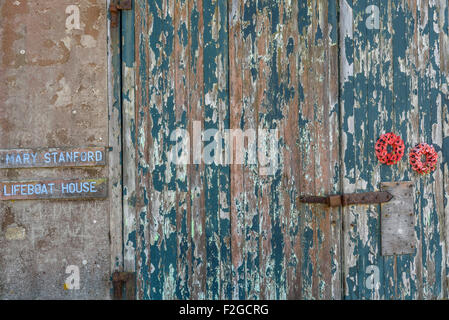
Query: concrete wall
53	93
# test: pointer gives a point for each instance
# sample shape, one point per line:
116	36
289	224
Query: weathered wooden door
324	86
394	76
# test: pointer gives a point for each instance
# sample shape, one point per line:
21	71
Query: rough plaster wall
53	93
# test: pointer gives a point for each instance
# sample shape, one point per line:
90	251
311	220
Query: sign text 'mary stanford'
52	157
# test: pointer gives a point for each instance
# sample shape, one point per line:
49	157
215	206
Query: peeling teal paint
288	250
383	103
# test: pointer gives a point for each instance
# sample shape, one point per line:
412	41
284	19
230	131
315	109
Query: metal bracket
115	7
126	279
349	199
398	220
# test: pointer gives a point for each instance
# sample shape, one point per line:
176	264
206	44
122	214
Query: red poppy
396	143
423	149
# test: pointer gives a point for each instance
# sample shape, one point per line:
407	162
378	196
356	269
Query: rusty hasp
349	199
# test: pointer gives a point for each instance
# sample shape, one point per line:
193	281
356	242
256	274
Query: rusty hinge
348	199
126	281
115	7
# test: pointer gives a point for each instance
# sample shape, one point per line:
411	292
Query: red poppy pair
398	147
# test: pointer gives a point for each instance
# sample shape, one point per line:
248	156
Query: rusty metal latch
124	280
115	7
349	199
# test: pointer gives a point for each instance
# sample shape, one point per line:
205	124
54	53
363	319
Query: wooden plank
115	142
144	143
165	171
308	146
269	278
413	58
317	242
327	167
362	91
181	83
128	84
291	153
216	182
346	103
250	107
162	175
52	157
73	189
430	188
382	82
237	188
398	219
444	68
197	169
242	141
320	220
402	34
331	184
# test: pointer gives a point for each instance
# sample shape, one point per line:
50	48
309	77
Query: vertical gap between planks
120	37
342	54
443	91
340	40
443	9
394	8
